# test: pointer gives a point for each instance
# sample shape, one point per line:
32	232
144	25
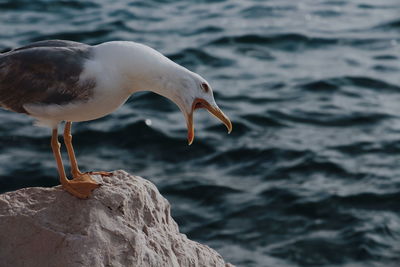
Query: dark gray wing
52	43
44	72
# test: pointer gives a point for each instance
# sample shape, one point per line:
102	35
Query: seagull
56	81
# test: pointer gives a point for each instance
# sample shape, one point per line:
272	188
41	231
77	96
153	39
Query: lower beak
213	109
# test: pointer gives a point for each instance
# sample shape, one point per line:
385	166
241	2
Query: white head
189	91
145	69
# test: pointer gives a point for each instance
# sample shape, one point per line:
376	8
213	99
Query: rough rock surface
125	223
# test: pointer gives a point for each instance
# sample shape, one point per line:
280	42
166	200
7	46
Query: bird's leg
81	186
71	154
55	145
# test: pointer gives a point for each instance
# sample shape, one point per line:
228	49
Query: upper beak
213	109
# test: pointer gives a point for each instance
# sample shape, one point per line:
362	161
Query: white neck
138	67
130	67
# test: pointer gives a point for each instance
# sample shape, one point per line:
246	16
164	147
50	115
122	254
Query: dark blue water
310	175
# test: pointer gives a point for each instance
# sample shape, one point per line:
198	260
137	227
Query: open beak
213	109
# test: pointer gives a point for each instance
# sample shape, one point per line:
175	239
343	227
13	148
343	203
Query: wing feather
45	72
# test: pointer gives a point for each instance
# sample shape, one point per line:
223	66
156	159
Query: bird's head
145	69
189	91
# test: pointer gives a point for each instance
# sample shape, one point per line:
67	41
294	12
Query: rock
125	223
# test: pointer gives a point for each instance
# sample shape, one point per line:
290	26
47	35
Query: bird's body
56	80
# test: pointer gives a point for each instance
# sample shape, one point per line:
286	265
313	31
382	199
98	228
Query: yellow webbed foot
81	186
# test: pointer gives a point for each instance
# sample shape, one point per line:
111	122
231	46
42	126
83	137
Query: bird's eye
205	87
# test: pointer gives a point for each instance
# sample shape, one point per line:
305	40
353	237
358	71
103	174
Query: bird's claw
81	186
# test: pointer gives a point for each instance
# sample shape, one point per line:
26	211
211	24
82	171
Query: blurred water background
310	175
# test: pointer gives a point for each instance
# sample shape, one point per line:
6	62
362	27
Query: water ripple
309	175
